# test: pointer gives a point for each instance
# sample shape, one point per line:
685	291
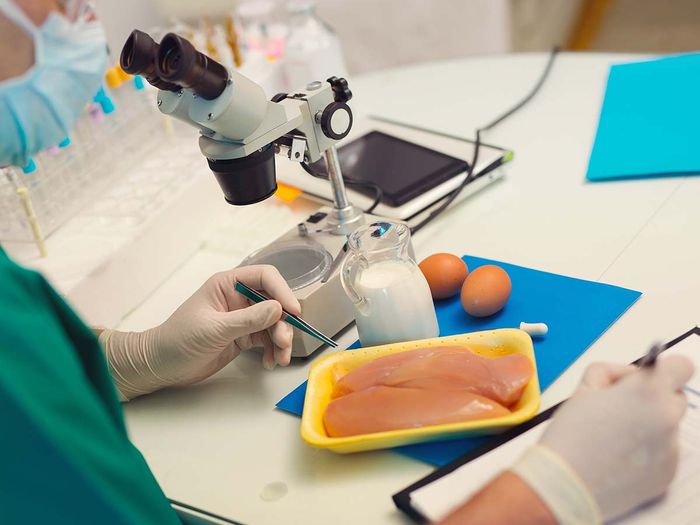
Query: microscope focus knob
336	120
341	91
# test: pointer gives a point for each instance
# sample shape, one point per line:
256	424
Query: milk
397	304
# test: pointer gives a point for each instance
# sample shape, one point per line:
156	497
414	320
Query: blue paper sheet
649	120
576	311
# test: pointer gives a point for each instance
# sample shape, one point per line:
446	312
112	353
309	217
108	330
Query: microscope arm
280	120
312	118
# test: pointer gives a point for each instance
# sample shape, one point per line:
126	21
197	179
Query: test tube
25	200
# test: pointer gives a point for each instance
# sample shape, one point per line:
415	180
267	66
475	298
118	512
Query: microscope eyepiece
138	57
138	54
179	62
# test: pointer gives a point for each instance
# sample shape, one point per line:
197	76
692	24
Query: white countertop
219	445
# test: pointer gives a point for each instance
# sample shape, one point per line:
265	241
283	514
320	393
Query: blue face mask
39	108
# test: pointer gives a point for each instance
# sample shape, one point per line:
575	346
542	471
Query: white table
219	445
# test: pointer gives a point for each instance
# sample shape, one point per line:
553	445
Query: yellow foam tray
326	370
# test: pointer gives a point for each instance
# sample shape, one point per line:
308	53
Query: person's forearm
506	500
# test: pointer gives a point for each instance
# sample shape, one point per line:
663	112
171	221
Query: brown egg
485	290
445	274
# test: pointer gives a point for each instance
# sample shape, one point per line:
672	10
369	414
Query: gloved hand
613	445
206	333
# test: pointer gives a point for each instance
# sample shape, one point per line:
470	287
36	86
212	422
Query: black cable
552	55
432	131
453	195
477	142
350	182
378	192
470	176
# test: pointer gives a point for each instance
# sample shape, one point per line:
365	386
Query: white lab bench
222	446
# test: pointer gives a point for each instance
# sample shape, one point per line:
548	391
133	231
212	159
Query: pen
500	161
649	359
292	319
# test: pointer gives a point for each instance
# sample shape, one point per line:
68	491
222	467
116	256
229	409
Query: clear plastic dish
301	262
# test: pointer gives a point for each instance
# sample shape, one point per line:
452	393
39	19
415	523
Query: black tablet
403	170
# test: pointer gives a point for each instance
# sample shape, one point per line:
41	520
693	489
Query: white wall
375	33
388	33
541	24
120	17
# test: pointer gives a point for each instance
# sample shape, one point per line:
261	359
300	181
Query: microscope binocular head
240	128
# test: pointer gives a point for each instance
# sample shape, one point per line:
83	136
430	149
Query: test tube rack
116	130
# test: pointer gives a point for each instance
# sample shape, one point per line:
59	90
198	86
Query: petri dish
301	262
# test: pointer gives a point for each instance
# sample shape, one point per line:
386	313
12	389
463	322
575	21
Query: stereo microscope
240	131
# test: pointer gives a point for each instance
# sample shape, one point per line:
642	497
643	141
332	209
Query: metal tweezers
292	319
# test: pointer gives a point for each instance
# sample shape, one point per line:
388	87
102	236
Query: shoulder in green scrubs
64	452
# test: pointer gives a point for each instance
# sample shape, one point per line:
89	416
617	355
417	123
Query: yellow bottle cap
113	78
287	193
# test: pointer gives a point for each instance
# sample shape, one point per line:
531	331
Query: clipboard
403	499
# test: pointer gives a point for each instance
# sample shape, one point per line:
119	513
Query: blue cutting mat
576	311
649	120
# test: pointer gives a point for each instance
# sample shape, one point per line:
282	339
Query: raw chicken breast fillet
501	379
381	408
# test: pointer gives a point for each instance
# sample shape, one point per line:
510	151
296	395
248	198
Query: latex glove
206	333
613	445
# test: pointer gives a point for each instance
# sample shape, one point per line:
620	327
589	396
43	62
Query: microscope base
324	305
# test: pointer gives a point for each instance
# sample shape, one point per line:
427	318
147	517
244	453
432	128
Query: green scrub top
65	456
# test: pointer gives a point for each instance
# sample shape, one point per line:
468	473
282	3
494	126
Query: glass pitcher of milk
391	296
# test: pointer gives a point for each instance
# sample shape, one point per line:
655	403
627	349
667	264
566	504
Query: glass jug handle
348	274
